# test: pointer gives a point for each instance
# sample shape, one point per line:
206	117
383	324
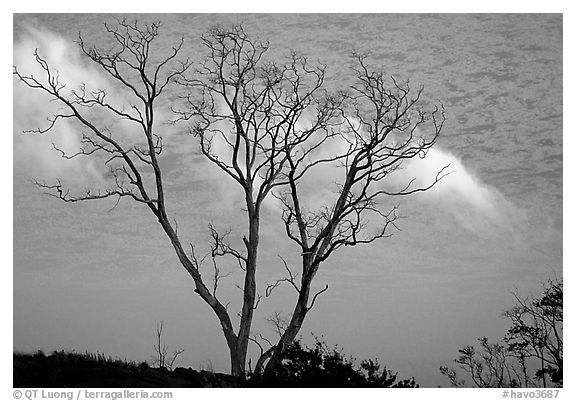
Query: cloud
33	152
476	205
458	183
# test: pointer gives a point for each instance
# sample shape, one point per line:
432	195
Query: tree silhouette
536	331
162	358
268	125
534	339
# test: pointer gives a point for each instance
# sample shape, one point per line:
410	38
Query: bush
319	366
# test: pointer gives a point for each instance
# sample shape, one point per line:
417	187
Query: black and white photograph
288	200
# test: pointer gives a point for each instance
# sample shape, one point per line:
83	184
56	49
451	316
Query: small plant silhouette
161	358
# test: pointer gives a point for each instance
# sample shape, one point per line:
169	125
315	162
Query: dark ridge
65	369
301	366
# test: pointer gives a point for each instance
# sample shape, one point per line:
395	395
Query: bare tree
162	358
130	65
253	108
268	125
378	121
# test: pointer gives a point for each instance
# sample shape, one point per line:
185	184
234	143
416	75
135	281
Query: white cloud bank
476	205
33	152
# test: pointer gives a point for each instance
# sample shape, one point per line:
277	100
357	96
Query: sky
90	278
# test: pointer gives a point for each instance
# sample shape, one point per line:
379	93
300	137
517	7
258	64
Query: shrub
319	366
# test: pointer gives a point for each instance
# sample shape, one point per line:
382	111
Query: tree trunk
238	349
300	311
236	362
249	286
